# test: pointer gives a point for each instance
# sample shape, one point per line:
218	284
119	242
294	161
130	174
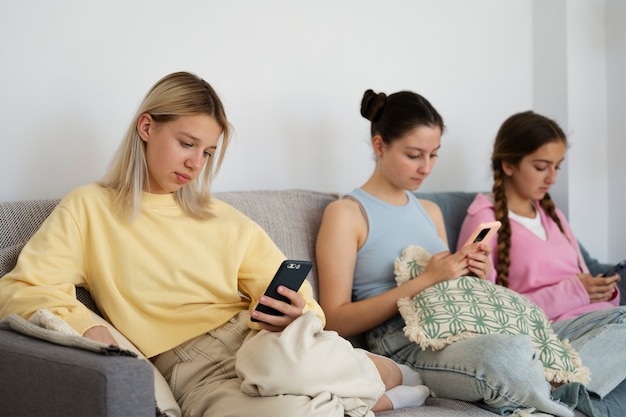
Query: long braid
548	205
504	234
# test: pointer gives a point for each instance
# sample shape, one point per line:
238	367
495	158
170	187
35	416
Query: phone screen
482	235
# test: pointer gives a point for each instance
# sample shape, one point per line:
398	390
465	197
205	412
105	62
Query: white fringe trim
414	332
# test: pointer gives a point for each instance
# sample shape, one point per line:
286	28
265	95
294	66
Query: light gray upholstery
39	378
291	218
44	379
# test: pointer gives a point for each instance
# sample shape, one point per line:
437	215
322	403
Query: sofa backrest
290	217
453	205
19	220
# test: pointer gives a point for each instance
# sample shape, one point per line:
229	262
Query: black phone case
615	269
290	274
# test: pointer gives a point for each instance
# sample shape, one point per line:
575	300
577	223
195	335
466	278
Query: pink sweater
543	271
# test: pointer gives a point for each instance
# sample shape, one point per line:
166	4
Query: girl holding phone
536	254
179	273
362	234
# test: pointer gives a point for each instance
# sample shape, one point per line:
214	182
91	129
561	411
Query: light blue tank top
390	230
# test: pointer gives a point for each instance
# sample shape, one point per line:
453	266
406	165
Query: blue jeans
599	337
612	405
498	372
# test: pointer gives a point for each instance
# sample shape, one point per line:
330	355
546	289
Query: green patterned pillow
464	307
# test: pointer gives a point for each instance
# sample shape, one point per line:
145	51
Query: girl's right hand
444	265
291	311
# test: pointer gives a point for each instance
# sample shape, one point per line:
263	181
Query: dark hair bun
372	105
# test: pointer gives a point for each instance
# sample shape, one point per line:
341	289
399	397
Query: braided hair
520	135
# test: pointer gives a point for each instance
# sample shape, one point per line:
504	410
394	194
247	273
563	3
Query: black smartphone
484	231
615	269
290	274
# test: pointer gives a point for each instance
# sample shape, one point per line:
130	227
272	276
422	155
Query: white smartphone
484	232
290	274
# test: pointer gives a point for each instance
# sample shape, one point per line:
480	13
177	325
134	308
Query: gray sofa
45	379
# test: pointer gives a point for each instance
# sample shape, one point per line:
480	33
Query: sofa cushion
19	220
290	217
464	307
8	257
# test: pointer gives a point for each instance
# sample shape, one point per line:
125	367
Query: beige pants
302	371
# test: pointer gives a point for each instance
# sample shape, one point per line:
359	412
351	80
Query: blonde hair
175	95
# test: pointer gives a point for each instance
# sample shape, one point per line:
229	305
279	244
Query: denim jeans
498	372
599	337
612	405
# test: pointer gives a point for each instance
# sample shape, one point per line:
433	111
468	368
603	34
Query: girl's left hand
479	262
290	311
599	288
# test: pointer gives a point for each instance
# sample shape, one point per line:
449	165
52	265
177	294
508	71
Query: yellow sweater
160	280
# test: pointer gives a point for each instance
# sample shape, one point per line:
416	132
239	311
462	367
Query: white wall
587	82
291	75
596	106
616	74
550	71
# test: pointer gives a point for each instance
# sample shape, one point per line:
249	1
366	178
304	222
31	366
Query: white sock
404	396
410	376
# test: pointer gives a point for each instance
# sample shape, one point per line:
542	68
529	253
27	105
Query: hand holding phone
290	274
484	232
615	269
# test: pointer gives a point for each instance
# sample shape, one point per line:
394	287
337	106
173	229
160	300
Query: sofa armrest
45	379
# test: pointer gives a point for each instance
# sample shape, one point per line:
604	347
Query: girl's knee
513	354
387	369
